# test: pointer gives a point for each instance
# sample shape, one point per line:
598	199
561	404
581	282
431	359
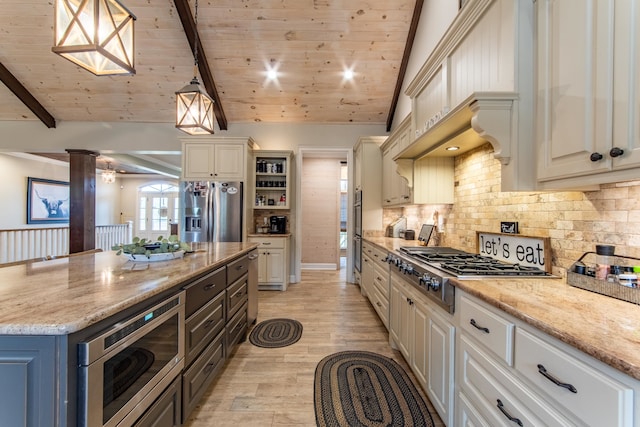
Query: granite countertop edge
110	285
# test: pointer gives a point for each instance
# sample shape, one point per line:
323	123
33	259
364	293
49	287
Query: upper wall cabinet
588	107
395	188
477	86
368	179
215	159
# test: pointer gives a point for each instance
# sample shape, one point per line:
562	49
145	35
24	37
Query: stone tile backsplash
575	221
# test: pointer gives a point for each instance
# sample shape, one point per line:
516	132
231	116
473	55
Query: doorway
311	201
157	209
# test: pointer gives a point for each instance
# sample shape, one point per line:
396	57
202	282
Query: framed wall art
47	201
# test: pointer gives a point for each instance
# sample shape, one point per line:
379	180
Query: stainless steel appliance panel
357	232
124	369
252	309
357	253
211	211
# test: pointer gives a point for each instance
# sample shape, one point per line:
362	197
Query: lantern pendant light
194	107
96	35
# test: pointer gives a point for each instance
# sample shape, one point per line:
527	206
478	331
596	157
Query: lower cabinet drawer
236	328
490	329
381	305
381	280
202	372
166	411
202	326
203	289
587	393
237	294
237	268
500	398
468	416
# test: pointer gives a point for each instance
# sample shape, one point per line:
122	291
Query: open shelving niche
272	186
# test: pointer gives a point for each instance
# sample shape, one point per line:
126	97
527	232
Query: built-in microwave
126	367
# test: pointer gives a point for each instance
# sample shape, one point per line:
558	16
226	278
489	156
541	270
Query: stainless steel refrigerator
211	211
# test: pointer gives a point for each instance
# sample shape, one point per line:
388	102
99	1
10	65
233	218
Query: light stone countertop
605	328
65	295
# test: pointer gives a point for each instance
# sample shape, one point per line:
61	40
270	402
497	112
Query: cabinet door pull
543	371
507	414
475	325
595	157
208	323
252	257
209	287
378	304
266	243
616	152
239	267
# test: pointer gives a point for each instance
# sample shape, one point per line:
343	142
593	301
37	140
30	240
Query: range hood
482	117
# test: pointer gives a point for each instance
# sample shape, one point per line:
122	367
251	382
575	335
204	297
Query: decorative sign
524	250
509	227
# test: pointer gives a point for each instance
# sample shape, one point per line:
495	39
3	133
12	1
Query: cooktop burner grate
464	264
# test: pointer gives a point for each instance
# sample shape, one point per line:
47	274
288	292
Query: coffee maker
278	224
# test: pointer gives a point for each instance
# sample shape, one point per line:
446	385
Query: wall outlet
509	227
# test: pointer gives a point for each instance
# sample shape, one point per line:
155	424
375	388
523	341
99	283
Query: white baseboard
318	266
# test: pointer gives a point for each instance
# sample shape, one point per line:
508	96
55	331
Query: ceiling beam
189	26
405	60
25	96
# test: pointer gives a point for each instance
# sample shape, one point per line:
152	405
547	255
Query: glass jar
604	260
629	280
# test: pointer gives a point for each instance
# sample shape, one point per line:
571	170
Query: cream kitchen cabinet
476	87
426	340
213	159
395	189
375	279
273	261
368	179
588	117
367	271
507	370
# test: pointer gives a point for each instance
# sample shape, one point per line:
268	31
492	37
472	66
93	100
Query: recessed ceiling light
272	74
453	148
348	74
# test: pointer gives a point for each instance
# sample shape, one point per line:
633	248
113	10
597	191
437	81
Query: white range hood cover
482	117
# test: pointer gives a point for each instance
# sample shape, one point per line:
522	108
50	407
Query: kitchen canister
604	260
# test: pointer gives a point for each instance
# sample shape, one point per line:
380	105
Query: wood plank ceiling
308	42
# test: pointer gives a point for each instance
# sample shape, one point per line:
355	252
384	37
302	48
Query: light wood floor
274	387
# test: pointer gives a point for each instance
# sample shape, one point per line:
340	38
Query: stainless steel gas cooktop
431	267
465	265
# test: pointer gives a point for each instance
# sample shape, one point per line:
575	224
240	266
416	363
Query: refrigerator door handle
209	213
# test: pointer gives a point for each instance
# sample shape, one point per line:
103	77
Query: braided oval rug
360	388
274	333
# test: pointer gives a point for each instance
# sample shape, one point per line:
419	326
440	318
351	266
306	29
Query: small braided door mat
359	388
274	333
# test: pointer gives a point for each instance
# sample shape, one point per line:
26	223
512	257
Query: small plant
148	247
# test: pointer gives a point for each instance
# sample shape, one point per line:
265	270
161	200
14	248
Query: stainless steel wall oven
357	232
127	366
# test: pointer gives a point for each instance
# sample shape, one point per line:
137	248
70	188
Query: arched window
158	206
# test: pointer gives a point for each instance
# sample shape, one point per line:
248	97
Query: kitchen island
48	307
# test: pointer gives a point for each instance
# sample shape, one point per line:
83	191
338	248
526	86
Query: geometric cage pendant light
96	35
194	106
108	175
